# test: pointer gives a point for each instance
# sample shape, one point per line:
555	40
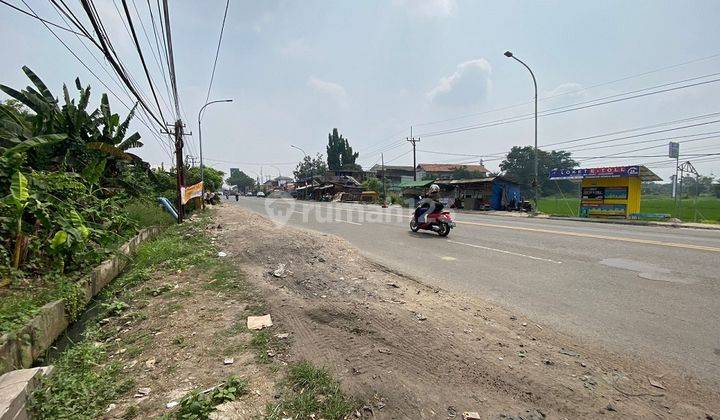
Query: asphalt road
650	291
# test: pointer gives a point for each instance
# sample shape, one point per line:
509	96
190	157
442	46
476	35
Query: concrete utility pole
202	168
413	140
382	162
535	183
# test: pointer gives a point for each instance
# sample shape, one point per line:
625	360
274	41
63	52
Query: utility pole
413	140
382	160
179	167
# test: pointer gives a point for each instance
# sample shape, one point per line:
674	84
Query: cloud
295	48
428	8
470	84
330	89
566	93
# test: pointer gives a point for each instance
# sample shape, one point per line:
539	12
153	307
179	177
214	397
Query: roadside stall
610	192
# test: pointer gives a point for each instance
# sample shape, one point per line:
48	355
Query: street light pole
202	167
535	183
300	149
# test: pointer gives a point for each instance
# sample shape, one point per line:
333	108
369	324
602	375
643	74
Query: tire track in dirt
359	319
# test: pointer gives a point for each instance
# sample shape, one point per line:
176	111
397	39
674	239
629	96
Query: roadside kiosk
611	192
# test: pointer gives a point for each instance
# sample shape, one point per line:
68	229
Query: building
448	170
494	193
281	181
394	175
612	192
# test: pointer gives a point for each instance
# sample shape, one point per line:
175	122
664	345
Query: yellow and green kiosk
609	192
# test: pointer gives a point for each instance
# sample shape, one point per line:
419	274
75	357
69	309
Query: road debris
282	336
384	351
568	352
420	317
656	383
142	392
228	361
279	271
471	415
611	407
172	404
222	254
150	363
259	322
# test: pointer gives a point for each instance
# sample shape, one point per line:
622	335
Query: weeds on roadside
199	405
81	385
311	393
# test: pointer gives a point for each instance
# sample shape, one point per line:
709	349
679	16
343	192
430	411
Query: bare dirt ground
411	351
174	338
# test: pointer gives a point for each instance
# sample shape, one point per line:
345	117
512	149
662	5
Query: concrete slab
15	388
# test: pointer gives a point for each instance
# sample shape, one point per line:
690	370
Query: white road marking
507	252
347	221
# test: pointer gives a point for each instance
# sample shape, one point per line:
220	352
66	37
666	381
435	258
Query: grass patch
147	213
198	405
82	384
707	209
311	393
85	381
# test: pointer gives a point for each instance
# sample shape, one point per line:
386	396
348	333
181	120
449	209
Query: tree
309	167
518	165
213	177
373	184
339	153
464	173
240	179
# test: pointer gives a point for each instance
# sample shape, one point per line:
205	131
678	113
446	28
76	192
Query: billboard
607	172
674	150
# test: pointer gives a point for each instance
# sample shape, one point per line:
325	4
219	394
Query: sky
297	69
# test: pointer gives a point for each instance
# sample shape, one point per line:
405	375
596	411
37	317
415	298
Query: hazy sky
372	68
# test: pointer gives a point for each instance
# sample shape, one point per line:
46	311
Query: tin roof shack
495	193
332	186
450	171
610	192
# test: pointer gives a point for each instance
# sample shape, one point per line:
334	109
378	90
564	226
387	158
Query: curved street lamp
535	184
300	149
202	168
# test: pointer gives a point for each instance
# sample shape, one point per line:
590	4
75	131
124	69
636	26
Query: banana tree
18	198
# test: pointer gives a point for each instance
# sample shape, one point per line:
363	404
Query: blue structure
494	193
505	193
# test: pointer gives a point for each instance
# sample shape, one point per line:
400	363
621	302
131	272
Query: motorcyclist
429	204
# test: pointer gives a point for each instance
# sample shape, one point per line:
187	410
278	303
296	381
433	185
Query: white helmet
434	188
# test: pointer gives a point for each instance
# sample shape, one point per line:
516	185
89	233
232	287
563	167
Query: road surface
650	291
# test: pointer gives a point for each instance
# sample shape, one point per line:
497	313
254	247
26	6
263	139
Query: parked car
261	194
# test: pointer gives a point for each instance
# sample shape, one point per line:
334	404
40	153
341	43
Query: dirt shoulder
411	351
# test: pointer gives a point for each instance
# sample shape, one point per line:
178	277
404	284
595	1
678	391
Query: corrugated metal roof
415	184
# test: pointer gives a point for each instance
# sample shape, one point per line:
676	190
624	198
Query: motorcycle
439	221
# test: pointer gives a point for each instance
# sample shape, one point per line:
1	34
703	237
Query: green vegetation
311	393
198	405
85	380
340	155
73	192
82	384
708	208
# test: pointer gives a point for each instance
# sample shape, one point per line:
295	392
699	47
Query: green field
708	208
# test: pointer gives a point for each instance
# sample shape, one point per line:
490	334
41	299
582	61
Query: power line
565	109
217	51
108	52
142	57
573	91
35	16
171	59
